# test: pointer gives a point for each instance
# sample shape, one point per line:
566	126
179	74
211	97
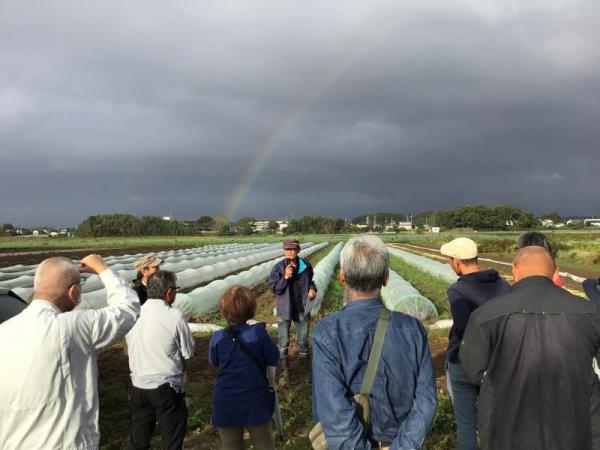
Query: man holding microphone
291	281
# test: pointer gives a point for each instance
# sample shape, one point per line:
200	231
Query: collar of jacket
301	265
367	302
535	280
44	304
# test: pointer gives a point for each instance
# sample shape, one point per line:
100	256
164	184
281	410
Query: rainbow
272	143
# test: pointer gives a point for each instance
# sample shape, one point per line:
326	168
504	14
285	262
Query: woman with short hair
242	352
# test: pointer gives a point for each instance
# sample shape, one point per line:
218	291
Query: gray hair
365	262
54	276
160	283
535	239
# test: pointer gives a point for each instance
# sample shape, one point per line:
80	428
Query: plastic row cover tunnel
428	265
400	296
193	277
93	287
204	300
323	271
12	272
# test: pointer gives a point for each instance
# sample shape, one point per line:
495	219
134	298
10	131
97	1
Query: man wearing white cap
473	288
145	267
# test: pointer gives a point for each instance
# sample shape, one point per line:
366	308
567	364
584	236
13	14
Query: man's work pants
163	404
283	332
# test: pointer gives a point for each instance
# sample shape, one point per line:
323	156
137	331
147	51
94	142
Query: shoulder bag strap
246	349
374	356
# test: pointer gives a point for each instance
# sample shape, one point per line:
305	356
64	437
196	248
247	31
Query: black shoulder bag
252	356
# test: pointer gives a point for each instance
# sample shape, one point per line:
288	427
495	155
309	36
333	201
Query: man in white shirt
48	380
158	346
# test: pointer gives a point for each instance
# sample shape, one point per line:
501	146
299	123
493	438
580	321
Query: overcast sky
273	108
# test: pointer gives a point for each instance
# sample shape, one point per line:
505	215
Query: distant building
405	225
592	222
547	223
263	225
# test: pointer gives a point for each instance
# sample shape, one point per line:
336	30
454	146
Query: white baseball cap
460	248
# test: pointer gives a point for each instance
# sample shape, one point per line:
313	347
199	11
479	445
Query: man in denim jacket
403	397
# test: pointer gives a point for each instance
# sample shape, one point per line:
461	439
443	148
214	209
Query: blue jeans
464	400
283	332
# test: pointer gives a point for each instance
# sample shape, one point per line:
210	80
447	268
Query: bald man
532	350
48	380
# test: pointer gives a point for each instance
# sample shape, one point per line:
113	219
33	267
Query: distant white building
405	225
592	222
263	225
547	223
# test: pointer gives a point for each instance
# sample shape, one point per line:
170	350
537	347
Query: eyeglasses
177	288
80	283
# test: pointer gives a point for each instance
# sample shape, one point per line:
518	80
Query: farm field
576	250
577	254
295	396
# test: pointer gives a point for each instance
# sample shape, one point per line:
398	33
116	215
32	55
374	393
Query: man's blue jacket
403	399
303	275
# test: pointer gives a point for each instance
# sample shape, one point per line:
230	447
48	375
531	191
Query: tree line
478	217
128	225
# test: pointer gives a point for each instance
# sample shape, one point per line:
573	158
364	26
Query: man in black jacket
532	352
474	288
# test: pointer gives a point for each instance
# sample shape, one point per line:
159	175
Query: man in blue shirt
403	397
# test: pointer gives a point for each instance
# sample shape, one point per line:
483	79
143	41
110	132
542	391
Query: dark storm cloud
150	108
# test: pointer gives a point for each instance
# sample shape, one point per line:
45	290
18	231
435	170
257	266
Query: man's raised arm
103	327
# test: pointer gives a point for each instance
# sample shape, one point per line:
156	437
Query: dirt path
437	346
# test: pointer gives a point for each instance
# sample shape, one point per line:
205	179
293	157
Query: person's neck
467	270
352	296
61	304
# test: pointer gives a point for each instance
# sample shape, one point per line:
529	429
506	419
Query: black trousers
163	404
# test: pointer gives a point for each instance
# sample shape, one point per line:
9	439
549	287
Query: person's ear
342	278
73	295
515	272
387	278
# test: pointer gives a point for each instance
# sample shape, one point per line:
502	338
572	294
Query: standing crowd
519	359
